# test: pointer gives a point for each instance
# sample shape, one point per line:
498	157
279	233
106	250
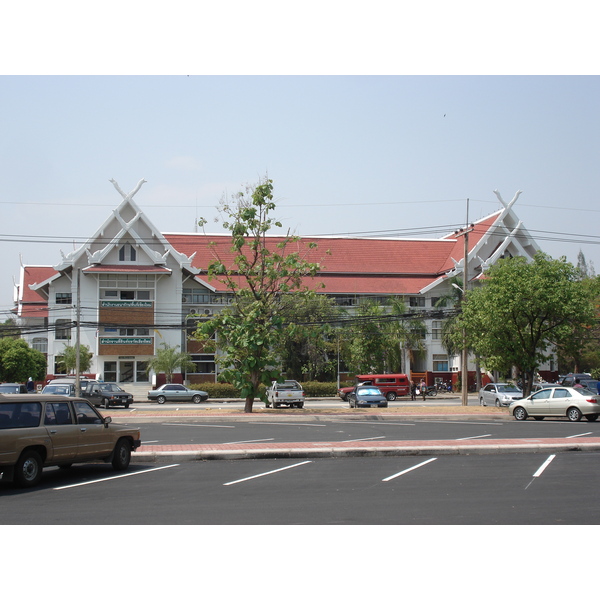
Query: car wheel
497	403
391	396
127	406
481	402
520	413
301	405
197	399
591	417
122	455
161	399
574	414
28	469
106	404
539	418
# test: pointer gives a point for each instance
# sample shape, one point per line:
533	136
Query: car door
537	404
560	400
62	430
94	438
487	393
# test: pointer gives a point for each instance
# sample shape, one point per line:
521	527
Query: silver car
175	392
499	394
572	403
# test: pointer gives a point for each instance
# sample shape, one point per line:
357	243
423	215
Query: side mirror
106	421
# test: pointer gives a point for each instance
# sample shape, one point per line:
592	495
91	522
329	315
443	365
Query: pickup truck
289	392
106	395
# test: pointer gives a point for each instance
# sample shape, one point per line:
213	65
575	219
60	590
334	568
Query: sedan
175	392
572	403
500	394
13	388
365	396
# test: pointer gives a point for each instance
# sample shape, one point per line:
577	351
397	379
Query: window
131	331
110	371
127	253
205	363
440	362
416	301
40	344
140	370
436	330
64	298
62	329
437	302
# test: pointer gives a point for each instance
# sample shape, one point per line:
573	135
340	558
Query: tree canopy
168	360
523	310
18	361
249	331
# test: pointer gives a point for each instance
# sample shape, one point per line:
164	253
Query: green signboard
126	340
126	304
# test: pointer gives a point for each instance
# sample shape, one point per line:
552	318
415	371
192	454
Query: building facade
131	288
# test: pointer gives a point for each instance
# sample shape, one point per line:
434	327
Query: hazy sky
361	155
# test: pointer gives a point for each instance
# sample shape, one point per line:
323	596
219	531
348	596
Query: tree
68	359
259	275
18	361
168	360
523	310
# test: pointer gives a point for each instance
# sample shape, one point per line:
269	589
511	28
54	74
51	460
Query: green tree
18	361
523	310
168	360
67	359
259	274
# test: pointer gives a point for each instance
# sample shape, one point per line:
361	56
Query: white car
572	403
499	394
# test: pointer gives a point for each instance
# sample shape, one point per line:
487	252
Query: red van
391	385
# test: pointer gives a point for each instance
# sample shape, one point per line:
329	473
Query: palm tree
168	360
68	359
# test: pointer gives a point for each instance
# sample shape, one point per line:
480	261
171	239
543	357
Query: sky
363	155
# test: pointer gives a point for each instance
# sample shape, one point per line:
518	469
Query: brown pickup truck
39	430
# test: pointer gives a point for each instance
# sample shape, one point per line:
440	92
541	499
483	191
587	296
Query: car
107	395
175	392
571	379
13	388
60	389
366	396
590	384
562	401
499	394
536	387
43	430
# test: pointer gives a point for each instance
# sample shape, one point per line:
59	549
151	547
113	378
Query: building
132	288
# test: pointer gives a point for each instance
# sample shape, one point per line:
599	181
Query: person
423	387
413	390
577	384
30	385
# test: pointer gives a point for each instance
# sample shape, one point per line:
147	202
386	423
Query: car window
542	394
20	414
86	414
488	388
58	413
9	389
560	393
368	392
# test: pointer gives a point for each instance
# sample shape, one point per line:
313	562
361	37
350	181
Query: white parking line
407	470
65	487
198	425
294	424
376	423
543	467
474	437
580	434
268	473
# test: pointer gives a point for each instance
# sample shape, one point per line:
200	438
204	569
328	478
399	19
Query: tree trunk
249	403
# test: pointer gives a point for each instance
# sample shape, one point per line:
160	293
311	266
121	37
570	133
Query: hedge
312	389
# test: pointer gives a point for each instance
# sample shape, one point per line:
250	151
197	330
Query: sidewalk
255	450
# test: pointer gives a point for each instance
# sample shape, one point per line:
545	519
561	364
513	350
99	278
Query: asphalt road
512	489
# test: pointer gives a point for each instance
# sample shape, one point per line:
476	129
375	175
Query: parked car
569	402
590	384
366	396
13	388
60	389
499	394
43	430
391	385
289	392
175	392
570	379
107	395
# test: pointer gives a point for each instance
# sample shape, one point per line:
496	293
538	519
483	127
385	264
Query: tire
574	414
127	406
591	417
197	399
432	392
497	403
391	396
106	405
481	402
301	405
520	414
122	455
28	469
161	399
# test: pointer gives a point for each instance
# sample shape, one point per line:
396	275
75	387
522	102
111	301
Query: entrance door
126	371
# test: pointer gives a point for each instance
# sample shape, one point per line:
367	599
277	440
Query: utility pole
464	233
78	336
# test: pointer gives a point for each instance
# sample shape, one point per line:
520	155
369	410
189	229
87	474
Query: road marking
268	473
65	487
580	434
249	441
376	423
198	425
293	424
543	467
379	437
407	470
474	437
465	422
150	441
